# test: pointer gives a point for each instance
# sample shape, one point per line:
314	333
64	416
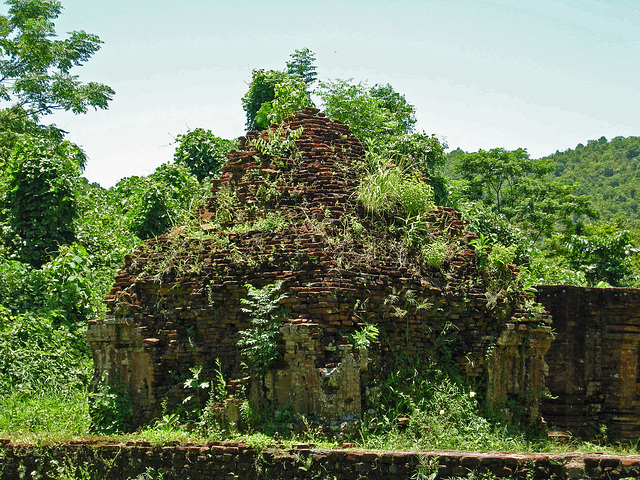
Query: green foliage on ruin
273	94
288	97
202	152
261	343
166	198
370	113
262	91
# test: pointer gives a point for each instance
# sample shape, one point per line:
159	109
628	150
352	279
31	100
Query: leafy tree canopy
35	67
202	152
262	89
606	171
289	97
604	252
394	102
370	113
302	66
38	205
518	187
161	200
274	94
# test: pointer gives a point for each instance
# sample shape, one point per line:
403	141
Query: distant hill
607	171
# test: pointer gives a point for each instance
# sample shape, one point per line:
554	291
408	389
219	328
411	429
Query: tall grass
51	414
392	189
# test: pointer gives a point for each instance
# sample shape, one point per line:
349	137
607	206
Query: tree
166	198
605	171
545	204
604	252
492	175
202	152
371	114
15	123
40	170
273	94
302	66
261	89
38	207
518	187
395	103
35	68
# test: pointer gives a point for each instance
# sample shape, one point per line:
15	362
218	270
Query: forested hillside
607	171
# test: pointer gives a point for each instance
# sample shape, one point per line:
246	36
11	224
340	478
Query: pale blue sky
543	75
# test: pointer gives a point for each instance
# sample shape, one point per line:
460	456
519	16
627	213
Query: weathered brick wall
176	302
224	461
594	367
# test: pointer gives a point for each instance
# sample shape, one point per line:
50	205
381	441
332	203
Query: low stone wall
223	460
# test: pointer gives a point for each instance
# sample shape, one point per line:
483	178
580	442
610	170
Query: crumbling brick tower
285	210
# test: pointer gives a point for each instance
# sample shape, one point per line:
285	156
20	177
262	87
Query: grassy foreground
60	415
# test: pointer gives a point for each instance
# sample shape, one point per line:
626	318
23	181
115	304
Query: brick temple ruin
176	303
594	361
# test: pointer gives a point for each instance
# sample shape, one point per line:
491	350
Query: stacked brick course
226	460
594	361
176	302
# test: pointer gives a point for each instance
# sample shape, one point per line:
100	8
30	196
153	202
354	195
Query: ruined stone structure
594	361
293	216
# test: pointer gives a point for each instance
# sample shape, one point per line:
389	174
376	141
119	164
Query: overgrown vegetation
63	240
558	234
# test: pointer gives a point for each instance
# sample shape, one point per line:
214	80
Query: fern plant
279	143
261	342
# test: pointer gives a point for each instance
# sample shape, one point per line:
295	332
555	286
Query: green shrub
110	408
551	271
202	152
436	252
414	196
500	256
37	356
39	204
279	143
442	411
74	287
262	89
21	288
289	97
164	199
